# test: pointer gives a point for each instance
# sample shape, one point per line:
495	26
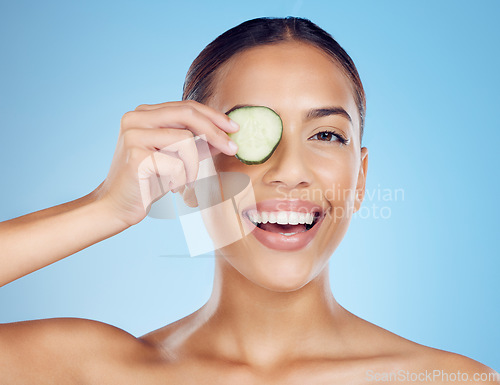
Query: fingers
165	143
159	173
181	118
187	152
180	143
218	118
170	170
190	197
173	144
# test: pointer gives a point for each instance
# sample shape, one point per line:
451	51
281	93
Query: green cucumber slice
260	133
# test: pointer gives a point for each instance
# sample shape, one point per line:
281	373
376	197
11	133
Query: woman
272	317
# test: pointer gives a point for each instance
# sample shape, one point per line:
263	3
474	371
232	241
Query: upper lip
299	206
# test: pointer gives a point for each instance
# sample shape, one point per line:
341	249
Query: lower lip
279	241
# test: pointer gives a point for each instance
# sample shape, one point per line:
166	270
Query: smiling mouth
288	223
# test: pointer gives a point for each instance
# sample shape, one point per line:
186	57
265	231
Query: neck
255	325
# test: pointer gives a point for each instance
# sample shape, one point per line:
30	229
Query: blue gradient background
429	272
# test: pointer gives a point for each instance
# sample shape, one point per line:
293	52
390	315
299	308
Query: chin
277	271
282	285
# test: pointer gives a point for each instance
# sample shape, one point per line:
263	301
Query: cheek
335	177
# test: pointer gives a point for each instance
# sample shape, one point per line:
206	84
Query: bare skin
268	320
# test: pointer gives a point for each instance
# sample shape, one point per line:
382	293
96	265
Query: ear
360	185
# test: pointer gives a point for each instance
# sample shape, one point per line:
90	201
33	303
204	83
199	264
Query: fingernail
234	124
233	147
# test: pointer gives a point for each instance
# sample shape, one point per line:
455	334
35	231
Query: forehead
288	77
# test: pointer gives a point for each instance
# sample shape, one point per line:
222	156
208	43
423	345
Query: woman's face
311	172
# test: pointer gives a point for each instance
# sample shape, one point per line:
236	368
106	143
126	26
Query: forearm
33	241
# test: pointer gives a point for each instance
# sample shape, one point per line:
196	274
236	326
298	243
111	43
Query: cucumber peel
260	132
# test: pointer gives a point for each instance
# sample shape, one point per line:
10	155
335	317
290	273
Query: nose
287	167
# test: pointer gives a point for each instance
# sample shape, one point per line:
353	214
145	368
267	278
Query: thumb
189	196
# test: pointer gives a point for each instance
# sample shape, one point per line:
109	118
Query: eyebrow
314	113
327	111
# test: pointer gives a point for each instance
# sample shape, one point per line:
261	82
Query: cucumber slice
260	133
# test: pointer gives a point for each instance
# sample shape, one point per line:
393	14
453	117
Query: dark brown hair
263	31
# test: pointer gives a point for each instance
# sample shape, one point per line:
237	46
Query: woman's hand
156	153
35	240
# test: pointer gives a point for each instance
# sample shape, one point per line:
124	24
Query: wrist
102	209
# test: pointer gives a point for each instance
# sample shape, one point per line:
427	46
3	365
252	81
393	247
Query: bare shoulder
400	359
423	364
64	350
456	368
420	364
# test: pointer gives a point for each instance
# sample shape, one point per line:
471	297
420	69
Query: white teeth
301	217
281	217
293	218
